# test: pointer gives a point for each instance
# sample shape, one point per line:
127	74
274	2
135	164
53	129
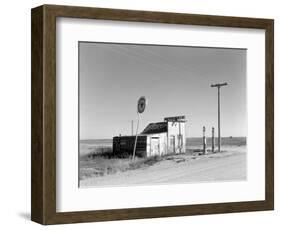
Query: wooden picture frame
43	160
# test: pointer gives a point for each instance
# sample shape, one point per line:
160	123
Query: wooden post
219	119
213	139
132	127
140	109
204	140
136	139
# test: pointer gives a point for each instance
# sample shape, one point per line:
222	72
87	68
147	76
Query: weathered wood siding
125	145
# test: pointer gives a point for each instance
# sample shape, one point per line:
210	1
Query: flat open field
229	165
101	145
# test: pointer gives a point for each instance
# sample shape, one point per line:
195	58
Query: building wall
149	145
124	145
176	137
162	141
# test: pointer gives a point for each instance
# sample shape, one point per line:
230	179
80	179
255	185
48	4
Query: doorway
154	146
172	144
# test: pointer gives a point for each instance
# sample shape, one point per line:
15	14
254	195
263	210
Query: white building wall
162	137
170	142
176	137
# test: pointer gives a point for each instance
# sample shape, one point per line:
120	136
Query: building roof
159	127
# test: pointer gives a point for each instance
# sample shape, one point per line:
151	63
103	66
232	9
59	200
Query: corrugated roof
159	127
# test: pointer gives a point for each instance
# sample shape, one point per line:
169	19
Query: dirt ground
229	165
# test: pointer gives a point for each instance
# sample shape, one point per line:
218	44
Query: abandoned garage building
159	138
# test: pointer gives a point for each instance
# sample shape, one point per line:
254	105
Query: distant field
96	146
225	141
97	142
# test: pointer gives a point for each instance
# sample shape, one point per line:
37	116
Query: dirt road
230	165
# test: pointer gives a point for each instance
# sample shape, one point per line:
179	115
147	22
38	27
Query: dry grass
98	161
103	164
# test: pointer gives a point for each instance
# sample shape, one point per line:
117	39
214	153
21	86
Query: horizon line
186	137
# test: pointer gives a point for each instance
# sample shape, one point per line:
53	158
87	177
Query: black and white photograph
147	114
159	114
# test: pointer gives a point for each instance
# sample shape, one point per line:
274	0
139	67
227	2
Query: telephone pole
219	126
132	127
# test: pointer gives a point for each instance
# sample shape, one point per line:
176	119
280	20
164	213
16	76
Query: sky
174	80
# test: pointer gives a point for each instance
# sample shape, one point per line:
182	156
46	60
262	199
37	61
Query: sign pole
136	139
141	108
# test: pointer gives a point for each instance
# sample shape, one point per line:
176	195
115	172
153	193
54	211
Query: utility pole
219	128
132	127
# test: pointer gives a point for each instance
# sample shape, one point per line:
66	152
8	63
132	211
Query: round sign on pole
141	108
141	104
